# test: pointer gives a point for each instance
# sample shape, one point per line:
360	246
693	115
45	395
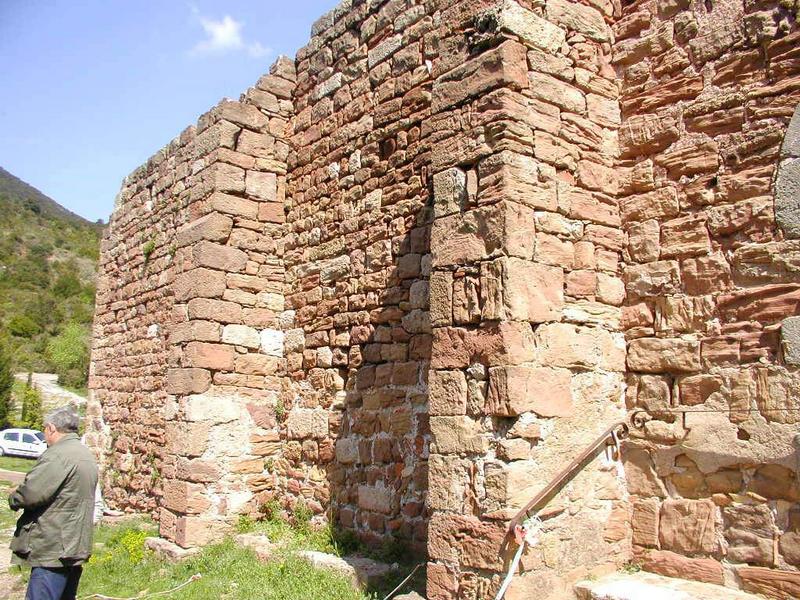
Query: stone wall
411	273
188	348
708	90
528	357
357	264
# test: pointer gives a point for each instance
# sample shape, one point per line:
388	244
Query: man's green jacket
57	496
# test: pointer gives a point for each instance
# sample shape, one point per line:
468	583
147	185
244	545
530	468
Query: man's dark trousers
53	584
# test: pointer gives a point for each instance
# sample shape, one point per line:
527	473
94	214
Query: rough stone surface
414	270
654	587
169	551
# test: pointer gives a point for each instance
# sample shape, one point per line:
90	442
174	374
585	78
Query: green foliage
68	284
122	567
15	463
280	411
47	270
6	384
347	542
245	524
68	352
147	250
631	567
301	515
125	545
23	326
31	409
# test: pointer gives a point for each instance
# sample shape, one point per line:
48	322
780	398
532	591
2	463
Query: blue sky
89	89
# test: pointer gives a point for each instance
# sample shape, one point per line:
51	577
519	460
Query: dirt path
11	586
14	477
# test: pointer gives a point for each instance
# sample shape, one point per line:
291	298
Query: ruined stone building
416	269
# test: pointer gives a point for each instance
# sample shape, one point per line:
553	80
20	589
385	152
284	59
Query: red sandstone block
217	357
501	343
658	204
687	236
199	283
514	390
447	393
658	355
217	256
214	227
581	283
187	381
688	526
648	133
671	564
589	206
479	233
466	540
184	497
271	212
571	346
214	310
257	364
202	331
233	206
245	115
198	471
194	531
504	66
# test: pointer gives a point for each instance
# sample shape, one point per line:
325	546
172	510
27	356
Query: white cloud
223	36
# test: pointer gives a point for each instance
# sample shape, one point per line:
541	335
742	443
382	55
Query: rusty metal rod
558	482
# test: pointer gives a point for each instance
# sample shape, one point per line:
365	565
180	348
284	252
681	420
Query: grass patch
297	533
8	518
122	567
15	463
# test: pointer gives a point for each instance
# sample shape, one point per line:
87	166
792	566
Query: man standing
54	533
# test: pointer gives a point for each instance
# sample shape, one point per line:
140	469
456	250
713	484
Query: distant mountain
13	187
48	265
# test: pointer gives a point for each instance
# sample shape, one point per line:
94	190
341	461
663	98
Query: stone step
362	572
648	586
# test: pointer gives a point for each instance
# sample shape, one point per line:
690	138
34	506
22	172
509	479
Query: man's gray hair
64	419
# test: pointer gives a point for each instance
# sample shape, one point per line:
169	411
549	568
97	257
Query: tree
69	353
6	383
31	408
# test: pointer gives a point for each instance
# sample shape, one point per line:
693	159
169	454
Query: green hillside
48	259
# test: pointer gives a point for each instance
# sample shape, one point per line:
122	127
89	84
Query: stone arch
787	181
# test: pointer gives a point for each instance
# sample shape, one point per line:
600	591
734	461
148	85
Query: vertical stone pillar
226	359
527	359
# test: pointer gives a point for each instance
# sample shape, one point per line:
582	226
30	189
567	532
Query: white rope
526	535
194	577
512	569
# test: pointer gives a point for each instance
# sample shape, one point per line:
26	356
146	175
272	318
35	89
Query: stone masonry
411	273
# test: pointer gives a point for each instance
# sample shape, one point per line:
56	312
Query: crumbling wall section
708	89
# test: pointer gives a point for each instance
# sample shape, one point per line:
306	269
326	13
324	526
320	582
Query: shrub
6	383
31	408
67	285
69	354
23	326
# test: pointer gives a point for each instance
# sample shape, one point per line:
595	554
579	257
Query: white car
22	442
